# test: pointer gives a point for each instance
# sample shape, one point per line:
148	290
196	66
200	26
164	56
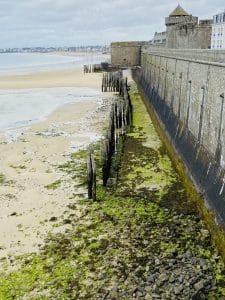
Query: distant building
159	38
184	30
218	31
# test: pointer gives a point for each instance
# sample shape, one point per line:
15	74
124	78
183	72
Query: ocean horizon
28	62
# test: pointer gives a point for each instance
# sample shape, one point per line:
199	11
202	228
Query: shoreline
90	58
20	108
30	164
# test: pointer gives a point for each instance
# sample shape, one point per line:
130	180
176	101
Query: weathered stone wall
217	55
189	36
185	32
126	54
189	98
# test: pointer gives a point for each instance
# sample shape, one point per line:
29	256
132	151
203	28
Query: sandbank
72	77
31	163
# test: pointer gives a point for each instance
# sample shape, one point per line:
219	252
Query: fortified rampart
126	54
188	96
187	34
186	31
217	55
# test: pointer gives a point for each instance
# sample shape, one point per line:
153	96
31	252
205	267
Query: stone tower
184	31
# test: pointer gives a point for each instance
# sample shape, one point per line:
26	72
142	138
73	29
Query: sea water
26	62
21	107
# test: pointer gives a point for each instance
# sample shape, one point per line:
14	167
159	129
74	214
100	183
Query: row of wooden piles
95	68
120	118
112	82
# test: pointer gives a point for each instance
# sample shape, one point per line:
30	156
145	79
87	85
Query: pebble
199	285
139	294
148	288
163	277
178	290
148	297
156	296
151	278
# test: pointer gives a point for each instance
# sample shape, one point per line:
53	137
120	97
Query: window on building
224	17
217	18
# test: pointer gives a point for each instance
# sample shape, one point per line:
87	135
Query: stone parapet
180	20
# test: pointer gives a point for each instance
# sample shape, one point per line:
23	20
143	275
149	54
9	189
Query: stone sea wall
217	55
188	96
126	54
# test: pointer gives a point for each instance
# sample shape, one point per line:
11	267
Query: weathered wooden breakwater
112	82
91	176
188	97
96	68
120	118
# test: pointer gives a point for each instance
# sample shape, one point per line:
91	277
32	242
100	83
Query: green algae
147	214
217	230
151	171
21	167
2	178
54	185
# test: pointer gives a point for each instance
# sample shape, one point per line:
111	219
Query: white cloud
75	22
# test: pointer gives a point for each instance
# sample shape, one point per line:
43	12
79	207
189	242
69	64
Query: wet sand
72	77
30	163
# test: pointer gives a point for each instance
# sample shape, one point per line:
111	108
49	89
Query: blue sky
89	22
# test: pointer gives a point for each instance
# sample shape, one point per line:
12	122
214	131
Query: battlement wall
188	96
187	32
181	20
209	55
126	54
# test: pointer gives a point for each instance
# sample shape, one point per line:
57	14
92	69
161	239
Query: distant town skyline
30	23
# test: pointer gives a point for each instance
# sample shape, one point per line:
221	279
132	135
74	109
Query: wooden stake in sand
91	176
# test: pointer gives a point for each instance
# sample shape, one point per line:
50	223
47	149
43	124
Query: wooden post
89	176
120	116
93	178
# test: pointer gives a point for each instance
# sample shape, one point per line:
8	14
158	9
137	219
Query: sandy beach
30	163
72	77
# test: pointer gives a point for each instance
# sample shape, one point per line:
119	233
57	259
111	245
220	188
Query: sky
30	23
